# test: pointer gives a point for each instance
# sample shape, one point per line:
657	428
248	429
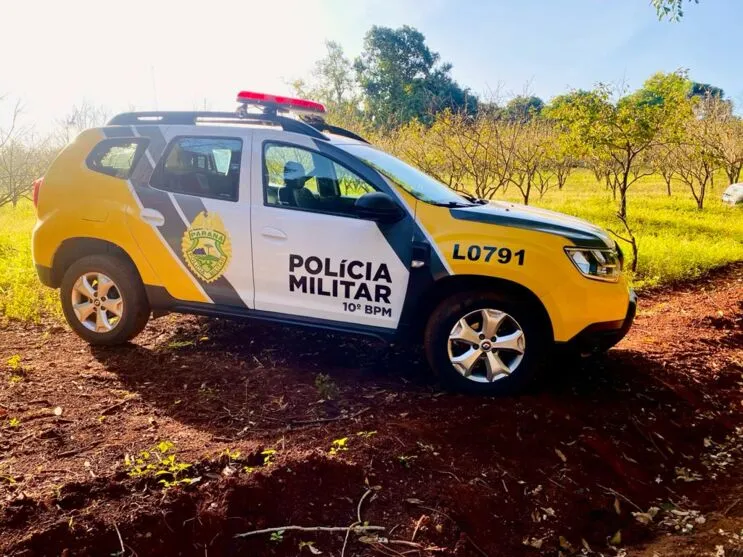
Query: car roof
315	128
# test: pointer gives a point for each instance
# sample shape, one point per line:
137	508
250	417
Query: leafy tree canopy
672	10
630	124
402	79
523	108
705	89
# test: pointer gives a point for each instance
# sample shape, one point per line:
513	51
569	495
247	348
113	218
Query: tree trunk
633	265
733	172
623	203
700	199
611	185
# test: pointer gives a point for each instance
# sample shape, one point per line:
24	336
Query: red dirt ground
559	470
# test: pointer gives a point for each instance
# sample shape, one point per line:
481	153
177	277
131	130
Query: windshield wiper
450	204
473	199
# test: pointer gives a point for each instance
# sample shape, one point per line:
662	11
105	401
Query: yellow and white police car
270	213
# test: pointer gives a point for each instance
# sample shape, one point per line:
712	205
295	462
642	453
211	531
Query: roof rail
312	127
192	118
322	126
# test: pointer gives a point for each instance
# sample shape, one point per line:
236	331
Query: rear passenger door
195	190
314	256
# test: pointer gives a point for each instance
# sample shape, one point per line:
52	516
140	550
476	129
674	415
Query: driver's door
316	258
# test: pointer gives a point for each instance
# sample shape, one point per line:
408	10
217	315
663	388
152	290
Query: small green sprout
268	455
159	462
177	344
406	460
277	537
310	546
338	445
14	362
17	370
231	455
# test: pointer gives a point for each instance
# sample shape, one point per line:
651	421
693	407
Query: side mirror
379	207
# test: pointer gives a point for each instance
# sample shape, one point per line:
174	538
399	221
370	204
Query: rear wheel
103	299
485	343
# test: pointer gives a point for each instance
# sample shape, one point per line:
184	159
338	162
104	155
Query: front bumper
599	337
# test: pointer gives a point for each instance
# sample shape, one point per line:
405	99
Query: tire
124	295
521	354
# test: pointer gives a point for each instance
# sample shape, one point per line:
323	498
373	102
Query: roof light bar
279	102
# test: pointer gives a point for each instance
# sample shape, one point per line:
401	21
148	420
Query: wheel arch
73	249
455	284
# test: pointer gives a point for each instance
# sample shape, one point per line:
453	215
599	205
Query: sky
187	54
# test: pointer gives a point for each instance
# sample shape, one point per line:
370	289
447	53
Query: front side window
302	179
116	157
202	166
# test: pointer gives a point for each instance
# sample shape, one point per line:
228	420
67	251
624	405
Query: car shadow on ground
224	377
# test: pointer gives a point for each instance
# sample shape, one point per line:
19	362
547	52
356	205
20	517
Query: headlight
598	264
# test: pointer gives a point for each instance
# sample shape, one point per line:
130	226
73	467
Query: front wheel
103	299
485	343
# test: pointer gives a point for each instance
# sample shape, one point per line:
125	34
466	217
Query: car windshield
416	183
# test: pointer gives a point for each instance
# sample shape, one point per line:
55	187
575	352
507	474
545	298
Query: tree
332	81
11	184
724	137
620	133
530	159
705	90
402	79
695	157
335	73
7	133
671	9
431	149
22	159
81	117
663	161
523	108
560	158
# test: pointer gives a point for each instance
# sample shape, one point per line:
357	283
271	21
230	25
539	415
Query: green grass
22	296
676	241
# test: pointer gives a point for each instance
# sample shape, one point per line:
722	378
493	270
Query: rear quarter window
116	157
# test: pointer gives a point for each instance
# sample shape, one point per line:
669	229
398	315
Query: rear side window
117	157
202	166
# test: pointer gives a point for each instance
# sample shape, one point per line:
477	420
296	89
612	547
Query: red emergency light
281	103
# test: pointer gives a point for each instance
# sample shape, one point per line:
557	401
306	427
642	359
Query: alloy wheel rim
97	302
486	345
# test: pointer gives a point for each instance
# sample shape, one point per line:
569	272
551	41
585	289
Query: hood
578	231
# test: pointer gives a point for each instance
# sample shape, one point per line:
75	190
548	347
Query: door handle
273	233
153	217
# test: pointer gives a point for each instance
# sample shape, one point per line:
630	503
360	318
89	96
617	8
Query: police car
270	213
